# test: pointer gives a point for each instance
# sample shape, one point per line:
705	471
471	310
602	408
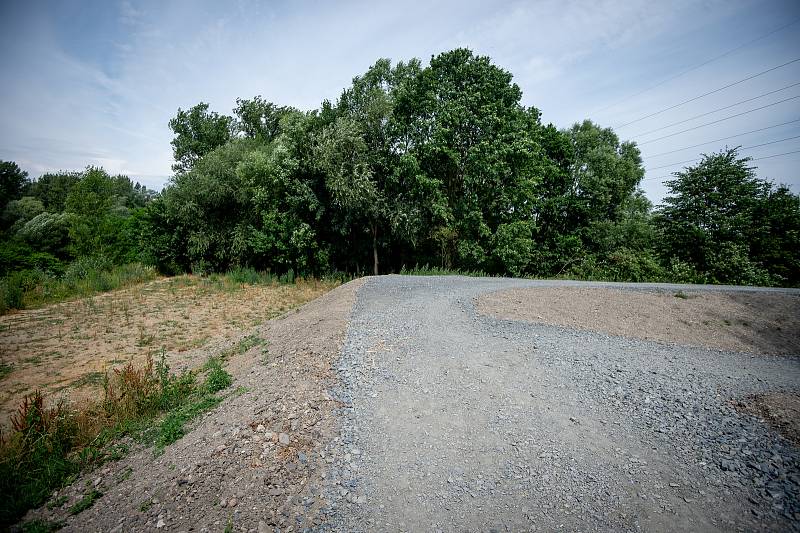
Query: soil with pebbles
455	420
254	462
765	322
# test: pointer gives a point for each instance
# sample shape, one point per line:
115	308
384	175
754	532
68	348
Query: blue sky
95	82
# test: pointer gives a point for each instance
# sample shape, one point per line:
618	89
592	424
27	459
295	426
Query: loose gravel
451	420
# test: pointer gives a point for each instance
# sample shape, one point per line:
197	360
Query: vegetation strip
49	446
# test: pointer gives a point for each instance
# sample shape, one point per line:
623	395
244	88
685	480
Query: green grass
216	376
35	288
250	341
5	369
438	271
50	446
92	378
41	526
87	501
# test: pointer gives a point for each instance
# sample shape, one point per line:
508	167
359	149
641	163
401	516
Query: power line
718	109
776	155
709	93
755	159
743	148
729	52
724	138
718	121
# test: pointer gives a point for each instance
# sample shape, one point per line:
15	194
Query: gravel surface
452	420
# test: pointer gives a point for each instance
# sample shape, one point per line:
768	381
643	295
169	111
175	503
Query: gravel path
456	421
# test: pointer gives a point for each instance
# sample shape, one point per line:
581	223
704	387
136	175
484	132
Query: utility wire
718	109
718	121
755	159
724	138
704	63
776	155
743	148
709	93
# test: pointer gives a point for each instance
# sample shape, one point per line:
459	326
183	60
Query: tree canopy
412	165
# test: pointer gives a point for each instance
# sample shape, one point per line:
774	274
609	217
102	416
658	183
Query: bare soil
66	349
755	322
781	410
255	463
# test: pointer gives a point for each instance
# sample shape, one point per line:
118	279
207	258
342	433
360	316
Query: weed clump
50	444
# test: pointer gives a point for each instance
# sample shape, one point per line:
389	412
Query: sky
96	82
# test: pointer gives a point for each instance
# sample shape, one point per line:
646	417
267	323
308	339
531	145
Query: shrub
216	376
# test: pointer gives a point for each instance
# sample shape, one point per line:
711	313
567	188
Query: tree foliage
197	132
412	165
725	222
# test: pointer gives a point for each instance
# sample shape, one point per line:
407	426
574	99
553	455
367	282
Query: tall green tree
367	182
709	216
197	132
53	188
12	182
258	119
462	120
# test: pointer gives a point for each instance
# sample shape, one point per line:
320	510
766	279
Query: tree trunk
375	249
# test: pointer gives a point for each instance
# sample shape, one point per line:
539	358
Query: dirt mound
756	322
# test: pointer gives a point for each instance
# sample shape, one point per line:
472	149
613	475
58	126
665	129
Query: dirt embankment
762	323
67	348
252	464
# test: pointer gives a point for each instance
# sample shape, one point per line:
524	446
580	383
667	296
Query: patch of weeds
726	322
125	475
48	446
86	502
146	505
5	369
682	295
144	339
251	341
33	360
117	451
229	526
92	378
58	502
238	391
41	526
216	376
172	427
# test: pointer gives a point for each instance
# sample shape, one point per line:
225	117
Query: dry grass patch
756	322
68	347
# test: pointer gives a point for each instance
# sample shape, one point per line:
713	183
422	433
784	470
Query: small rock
232	502
160	523
284	439
260	428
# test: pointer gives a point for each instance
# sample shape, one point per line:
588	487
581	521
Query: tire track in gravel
455	421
